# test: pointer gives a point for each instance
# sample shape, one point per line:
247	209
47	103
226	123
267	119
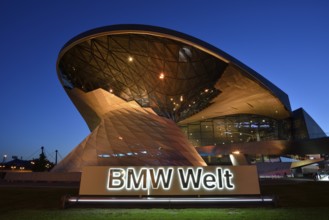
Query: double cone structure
151	95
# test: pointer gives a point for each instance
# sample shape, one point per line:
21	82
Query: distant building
19	165
154	96
16	165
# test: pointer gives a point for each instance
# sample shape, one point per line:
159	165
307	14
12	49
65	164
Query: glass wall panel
236	129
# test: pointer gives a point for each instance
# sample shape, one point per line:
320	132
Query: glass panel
236	129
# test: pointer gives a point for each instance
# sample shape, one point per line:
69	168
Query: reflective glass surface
174	79
236	129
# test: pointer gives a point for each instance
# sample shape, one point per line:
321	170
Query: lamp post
56	157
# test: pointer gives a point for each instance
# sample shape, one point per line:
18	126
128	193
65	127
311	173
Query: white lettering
138	181
116	179
162	178
190	177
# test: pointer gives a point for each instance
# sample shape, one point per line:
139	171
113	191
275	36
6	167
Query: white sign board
169	180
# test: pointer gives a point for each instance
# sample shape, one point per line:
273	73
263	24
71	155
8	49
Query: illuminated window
104	155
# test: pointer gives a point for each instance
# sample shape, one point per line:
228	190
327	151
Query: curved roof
178	76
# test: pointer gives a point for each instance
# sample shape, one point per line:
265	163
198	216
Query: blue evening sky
286	41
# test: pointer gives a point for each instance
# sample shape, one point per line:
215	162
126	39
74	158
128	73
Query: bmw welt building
157	97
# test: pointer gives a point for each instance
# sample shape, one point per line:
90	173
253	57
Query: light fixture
236	152
130	58
167	200
161	76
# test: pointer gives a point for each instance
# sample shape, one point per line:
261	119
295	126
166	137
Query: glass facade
236	129
154	71
304	126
